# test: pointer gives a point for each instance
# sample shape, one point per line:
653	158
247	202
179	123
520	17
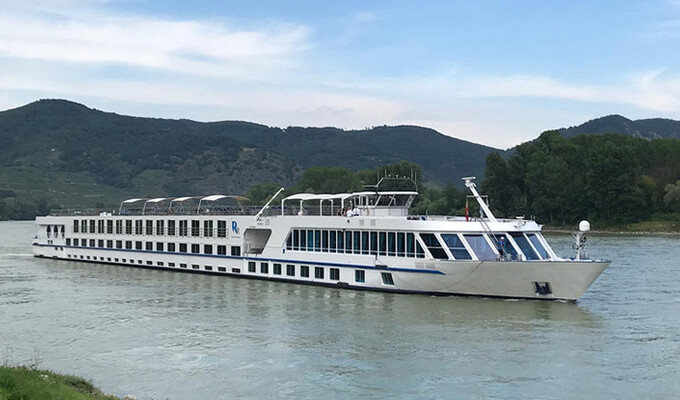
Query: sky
492	72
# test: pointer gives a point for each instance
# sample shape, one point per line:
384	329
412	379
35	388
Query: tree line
612	179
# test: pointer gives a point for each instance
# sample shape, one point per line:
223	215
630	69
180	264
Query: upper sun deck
393	203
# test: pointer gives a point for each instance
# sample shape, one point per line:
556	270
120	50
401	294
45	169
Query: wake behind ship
362	240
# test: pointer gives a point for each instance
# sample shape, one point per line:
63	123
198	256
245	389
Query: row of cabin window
159	246
147	227
398	244
319	272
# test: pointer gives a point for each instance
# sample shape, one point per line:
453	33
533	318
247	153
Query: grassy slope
34	384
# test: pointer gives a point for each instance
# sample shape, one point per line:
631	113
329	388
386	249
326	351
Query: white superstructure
309	238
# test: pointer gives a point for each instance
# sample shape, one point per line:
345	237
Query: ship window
289	241
310	240
324	240
348	242
374	243
317	240
128	244
68	242
139	262
75	242
182	247
341	242
92	227
537	244
410	245
455	244
222	250
100	243
360	276
304	271
160	227
75	226
357	242
382	243
523	244
83	226
183	224
264	268
92	243
171	264
207	249
149	263
119	227
296	239
100	226
290	270
109	226
332	242
480	247
128	227
434	246
391	248
171	227
149	246
318	272
420	253
195	248
364	242
208	228
387	278
182	265
251	266
138	227
171	247
221	228
62	230
508	248
401	246
335	274
49	231
277	269
160	263
195	228
195	266
222	269
236	270
109	244
159	246
208	267
119	244
235	250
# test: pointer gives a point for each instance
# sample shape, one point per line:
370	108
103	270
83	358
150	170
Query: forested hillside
65	154
653	128
612	179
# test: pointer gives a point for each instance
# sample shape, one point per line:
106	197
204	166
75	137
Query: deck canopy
217	197
129	202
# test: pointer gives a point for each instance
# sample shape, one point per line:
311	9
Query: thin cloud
196	47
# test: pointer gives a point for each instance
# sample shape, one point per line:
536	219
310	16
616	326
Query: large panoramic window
538	245
480	247
524	245
456	246
433	245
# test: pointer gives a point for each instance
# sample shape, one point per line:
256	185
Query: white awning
131	201
216	197
181	199
157	200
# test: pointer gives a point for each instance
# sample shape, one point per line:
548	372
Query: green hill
654	128
72	155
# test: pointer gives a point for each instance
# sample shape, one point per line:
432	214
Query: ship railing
228	210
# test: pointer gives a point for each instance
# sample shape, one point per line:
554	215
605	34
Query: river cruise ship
363	240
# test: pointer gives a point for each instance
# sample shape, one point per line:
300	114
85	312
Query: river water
158	334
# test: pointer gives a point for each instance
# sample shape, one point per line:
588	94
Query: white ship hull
378	247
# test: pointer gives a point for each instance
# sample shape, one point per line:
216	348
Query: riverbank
38	384
644	228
